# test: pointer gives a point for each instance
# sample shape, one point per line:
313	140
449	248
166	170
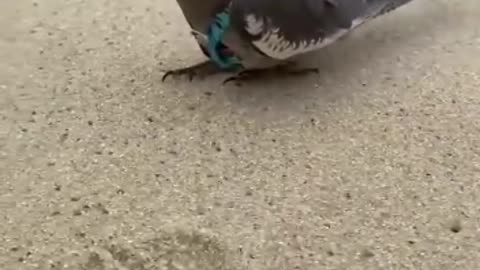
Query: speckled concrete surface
372	164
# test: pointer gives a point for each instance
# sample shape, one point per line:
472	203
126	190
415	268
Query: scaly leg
202	70
285	70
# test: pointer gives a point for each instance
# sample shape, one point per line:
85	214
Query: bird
251	37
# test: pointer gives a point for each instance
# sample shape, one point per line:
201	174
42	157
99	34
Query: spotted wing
281	29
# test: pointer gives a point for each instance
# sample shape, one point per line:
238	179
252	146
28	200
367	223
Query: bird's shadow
342	66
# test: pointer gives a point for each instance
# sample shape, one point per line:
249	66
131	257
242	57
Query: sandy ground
372	164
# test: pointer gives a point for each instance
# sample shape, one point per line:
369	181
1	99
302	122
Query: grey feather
199	14
265	32
282	29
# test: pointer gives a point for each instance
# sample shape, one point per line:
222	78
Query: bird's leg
202	70
285	70
300	71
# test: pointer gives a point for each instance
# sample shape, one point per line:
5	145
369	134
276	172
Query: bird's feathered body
282	29
263	33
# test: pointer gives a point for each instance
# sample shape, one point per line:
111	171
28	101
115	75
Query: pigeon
249	37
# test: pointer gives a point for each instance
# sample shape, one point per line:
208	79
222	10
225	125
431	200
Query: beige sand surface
372	164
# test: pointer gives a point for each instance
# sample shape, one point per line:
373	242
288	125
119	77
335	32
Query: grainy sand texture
374	163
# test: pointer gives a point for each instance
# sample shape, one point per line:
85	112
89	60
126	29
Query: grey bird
249	37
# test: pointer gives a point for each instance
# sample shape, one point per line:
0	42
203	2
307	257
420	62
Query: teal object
216	32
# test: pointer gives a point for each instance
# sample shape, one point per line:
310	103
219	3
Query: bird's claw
179	72
245	75
199	70
242	75
303	71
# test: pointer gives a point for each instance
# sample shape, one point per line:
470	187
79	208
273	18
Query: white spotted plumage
254	25
273	43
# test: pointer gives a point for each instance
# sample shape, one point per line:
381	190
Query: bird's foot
252	74
201	70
